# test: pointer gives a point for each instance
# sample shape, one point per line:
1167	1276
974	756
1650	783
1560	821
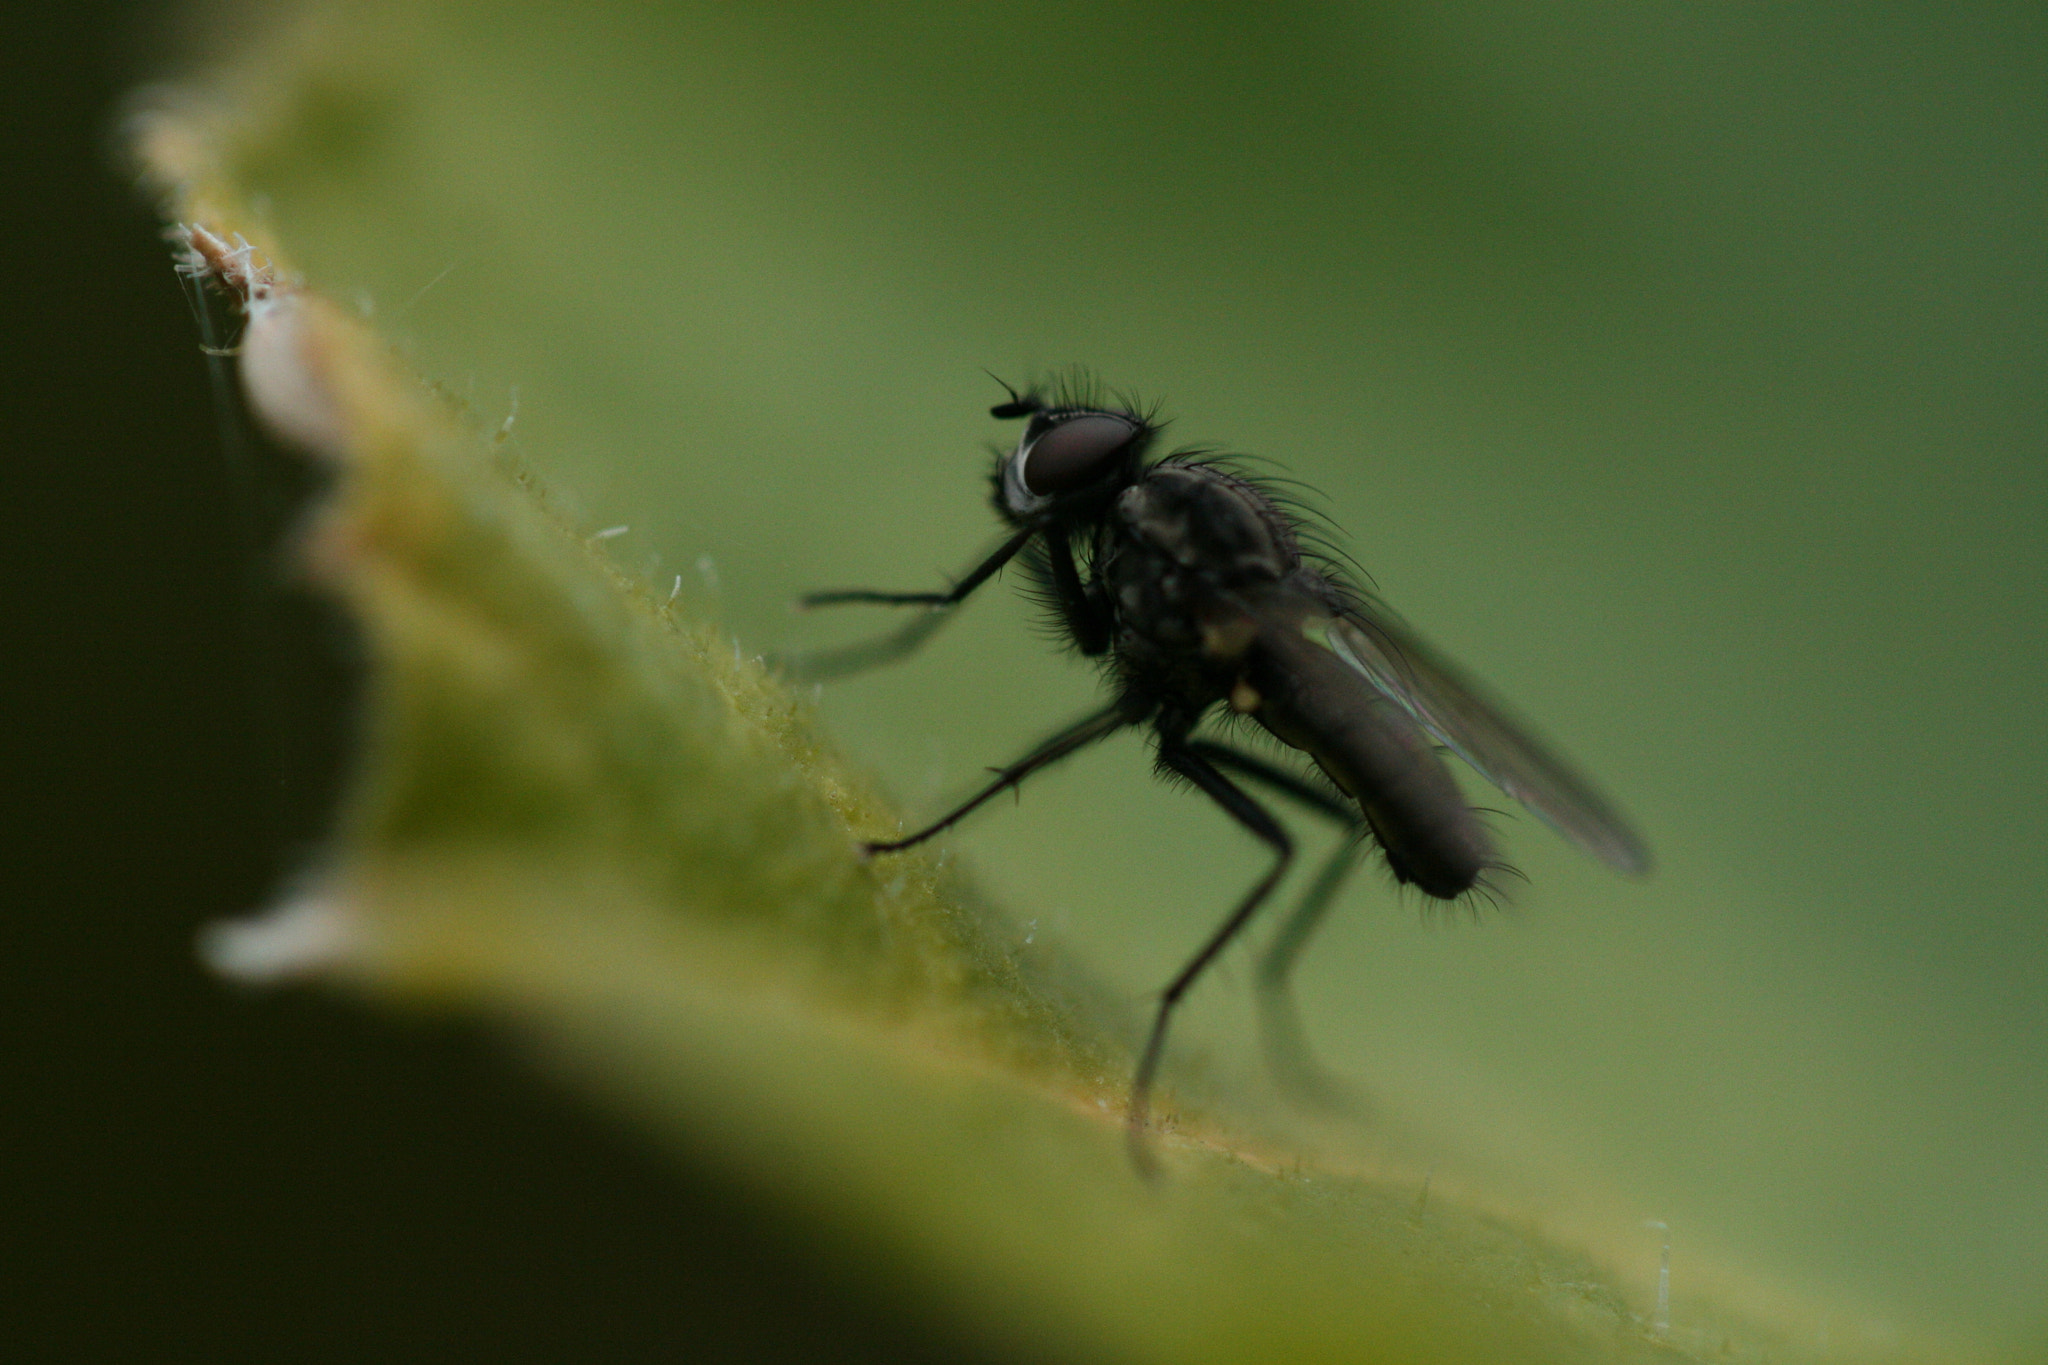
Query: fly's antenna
1020	404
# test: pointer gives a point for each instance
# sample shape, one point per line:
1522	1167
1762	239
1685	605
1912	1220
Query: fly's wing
1474	727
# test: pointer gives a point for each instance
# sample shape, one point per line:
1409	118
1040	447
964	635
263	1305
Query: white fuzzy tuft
307	936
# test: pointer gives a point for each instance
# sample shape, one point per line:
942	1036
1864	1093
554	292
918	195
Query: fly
1189	581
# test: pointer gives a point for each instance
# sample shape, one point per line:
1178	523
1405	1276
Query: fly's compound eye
1071	451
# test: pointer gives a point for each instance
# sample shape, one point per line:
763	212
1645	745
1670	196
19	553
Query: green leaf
581	810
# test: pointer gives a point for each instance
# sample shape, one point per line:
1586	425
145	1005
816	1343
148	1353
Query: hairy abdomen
1377	753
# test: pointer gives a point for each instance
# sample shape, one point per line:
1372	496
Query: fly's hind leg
1281	1035
1307	1081
1185	760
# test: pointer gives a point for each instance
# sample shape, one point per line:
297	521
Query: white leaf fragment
309	935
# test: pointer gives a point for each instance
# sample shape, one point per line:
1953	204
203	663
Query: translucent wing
1474	727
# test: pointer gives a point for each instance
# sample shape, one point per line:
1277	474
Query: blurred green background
1677	368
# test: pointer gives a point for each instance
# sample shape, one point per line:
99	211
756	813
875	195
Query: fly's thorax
1210	522
1186	547
1192	553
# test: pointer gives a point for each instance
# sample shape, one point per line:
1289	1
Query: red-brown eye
1074	450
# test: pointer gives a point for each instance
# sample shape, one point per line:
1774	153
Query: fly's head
1067	452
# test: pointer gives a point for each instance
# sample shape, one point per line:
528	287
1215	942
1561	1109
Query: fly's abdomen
1369	746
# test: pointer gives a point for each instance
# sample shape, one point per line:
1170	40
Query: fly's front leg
1177	757
974	578
822	664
